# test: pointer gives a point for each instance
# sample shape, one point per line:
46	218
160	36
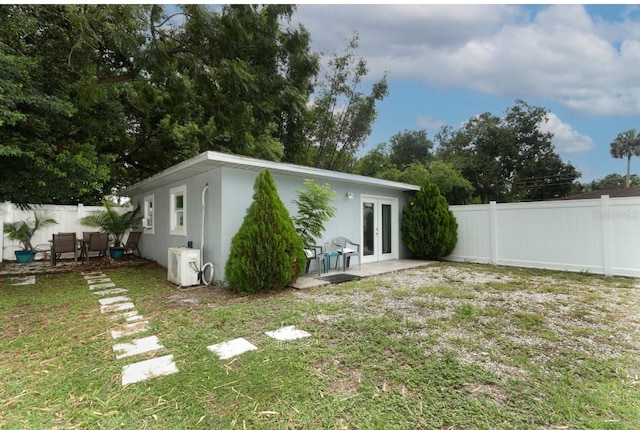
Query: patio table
328	256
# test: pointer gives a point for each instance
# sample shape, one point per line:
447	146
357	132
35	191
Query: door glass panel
368	227
386	229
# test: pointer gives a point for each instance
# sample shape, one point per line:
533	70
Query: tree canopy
96	97
508	159
341	115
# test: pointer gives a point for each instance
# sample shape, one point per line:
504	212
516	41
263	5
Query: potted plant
23	231
112	222
314	209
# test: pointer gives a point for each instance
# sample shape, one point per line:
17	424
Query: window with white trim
147	220
178	217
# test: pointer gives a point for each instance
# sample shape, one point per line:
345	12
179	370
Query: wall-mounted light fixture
349	195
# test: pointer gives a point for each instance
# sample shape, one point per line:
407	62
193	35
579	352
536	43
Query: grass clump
416	361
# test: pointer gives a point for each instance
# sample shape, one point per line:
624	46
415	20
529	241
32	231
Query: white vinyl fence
68	218
596	236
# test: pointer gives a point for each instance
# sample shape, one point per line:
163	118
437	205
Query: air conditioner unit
147	222
183	266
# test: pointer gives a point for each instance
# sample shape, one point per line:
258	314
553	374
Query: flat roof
211	160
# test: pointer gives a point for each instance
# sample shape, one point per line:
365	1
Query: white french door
379	228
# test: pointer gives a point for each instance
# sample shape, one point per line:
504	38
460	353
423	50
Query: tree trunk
627	183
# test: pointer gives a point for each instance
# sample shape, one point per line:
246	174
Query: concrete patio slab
287	333
116	307
147	369
311	279
129	329
231	348
112	300
138	346
94	287
110	291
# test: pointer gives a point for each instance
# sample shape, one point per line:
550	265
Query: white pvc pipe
206	187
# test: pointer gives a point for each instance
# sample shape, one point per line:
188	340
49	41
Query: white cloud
565	139
559	52
431	125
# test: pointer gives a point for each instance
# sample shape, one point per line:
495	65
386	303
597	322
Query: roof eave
211	160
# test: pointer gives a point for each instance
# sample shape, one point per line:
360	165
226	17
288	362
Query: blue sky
447	63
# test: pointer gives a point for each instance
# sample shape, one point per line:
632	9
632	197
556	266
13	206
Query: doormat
342	277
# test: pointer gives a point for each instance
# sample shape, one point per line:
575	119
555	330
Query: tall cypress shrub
263	249
429	228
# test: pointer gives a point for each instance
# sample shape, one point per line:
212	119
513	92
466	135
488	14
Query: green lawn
447	346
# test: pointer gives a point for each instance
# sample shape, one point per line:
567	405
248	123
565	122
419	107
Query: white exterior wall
237	192
68	218
229	195
598	236
155	243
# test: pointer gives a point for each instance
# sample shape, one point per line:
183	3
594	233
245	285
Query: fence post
79	215
607	240
5	215
1	238
493	229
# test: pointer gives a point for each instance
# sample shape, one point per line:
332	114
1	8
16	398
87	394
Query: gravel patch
500	321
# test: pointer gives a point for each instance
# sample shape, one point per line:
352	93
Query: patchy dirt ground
503	320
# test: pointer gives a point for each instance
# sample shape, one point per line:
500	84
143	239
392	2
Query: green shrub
314	209
265	246
429	229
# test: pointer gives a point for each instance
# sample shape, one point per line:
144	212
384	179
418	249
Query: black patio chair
132	243
63	243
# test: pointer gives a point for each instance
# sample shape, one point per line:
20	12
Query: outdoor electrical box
183	266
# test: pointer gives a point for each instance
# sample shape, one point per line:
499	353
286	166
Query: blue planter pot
116	252
25	256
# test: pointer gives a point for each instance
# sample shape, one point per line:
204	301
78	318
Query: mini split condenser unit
183	266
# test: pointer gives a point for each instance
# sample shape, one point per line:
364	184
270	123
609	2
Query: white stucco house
220	186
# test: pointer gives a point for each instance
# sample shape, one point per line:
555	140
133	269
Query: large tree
341	115
55	113
410	146
95	97
408	159
626	145
510	158
612	181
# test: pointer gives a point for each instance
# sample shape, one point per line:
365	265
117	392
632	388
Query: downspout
204	191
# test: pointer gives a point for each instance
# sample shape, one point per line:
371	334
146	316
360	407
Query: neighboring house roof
618	192
210	160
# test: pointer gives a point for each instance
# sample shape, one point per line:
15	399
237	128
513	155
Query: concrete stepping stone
287	333
112	300
147	369
138	346
98	280
116	307
110	291
231	348
130	316
24	280
101	286
129	329
94	275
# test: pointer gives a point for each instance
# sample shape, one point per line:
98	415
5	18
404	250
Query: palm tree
23	231
112	222
626	144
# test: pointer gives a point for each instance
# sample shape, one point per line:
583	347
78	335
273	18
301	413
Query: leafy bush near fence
429	228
